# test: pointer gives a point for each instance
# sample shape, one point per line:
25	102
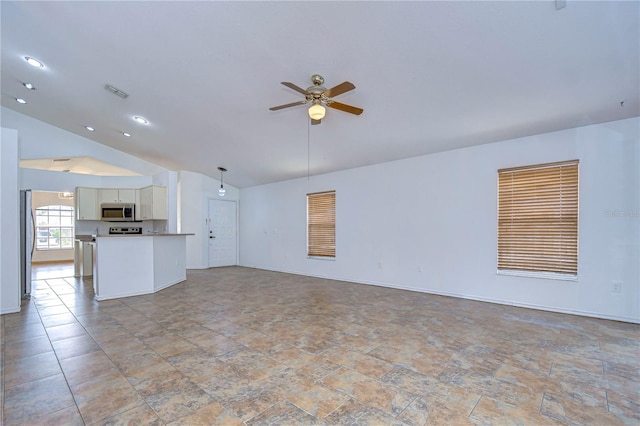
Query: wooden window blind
538	218
321	224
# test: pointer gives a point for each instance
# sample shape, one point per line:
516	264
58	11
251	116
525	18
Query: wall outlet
616	286
419	268
379	265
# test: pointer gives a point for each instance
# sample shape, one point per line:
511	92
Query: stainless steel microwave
118	212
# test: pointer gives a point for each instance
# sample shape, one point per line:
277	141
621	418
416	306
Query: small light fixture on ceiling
89	128
21	101
316	111
140	120
221	191
65	195
29	86
126	134
33	62
115	91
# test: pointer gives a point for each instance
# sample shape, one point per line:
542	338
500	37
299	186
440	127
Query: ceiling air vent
115	91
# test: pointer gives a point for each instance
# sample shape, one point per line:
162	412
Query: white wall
9	224
429	223
195	191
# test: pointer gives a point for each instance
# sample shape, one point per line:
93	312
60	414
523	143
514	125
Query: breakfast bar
132	265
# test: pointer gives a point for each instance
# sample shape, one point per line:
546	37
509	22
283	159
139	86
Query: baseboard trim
10	311
52	262
467	297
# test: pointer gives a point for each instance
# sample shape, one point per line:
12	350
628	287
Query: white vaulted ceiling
431	76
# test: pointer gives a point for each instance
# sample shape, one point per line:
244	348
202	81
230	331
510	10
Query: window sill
321	258
544	275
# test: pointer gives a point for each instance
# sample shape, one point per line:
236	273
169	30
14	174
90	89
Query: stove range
120	230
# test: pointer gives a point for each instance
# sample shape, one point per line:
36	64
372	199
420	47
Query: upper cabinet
153	203
150	202
117	195
87	206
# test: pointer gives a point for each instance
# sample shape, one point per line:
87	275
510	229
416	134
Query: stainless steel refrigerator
27	242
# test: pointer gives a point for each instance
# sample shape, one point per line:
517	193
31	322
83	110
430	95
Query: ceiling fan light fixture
316	111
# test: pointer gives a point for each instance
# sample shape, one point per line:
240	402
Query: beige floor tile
28	347
37	399
75	346
356	413
66	331
371	392
284	413
307	351
82	368
22	370
315	399
184	398
141	415
105	396
566	411
362	363
212	414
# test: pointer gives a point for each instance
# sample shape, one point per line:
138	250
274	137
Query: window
54	227
538	218
321	224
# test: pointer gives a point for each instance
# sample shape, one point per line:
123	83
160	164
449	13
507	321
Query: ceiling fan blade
346	108
339	89
315	121
294	87
276	108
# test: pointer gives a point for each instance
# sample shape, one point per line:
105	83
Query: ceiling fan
319	97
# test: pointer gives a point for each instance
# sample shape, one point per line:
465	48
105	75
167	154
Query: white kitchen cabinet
87	207
108	195
153	203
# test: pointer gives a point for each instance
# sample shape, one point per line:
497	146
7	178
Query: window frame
324	211
49	226
549	221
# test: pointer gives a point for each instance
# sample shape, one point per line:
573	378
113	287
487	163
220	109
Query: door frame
208	223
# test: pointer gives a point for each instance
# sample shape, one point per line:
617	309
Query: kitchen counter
132	265
148	234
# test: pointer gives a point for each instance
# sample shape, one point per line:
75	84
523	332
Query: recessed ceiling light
21	101
29	86
33	62
126	134
89	128
140	120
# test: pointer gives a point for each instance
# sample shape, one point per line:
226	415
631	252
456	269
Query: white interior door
222	233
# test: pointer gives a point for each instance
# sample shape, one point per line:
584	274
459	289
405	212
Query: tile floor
240	346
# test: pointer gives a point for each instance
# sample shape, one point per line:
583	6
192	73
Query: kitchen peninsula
136	264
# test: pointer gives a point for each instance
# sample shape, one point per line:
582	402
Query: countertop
146	234
92	238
